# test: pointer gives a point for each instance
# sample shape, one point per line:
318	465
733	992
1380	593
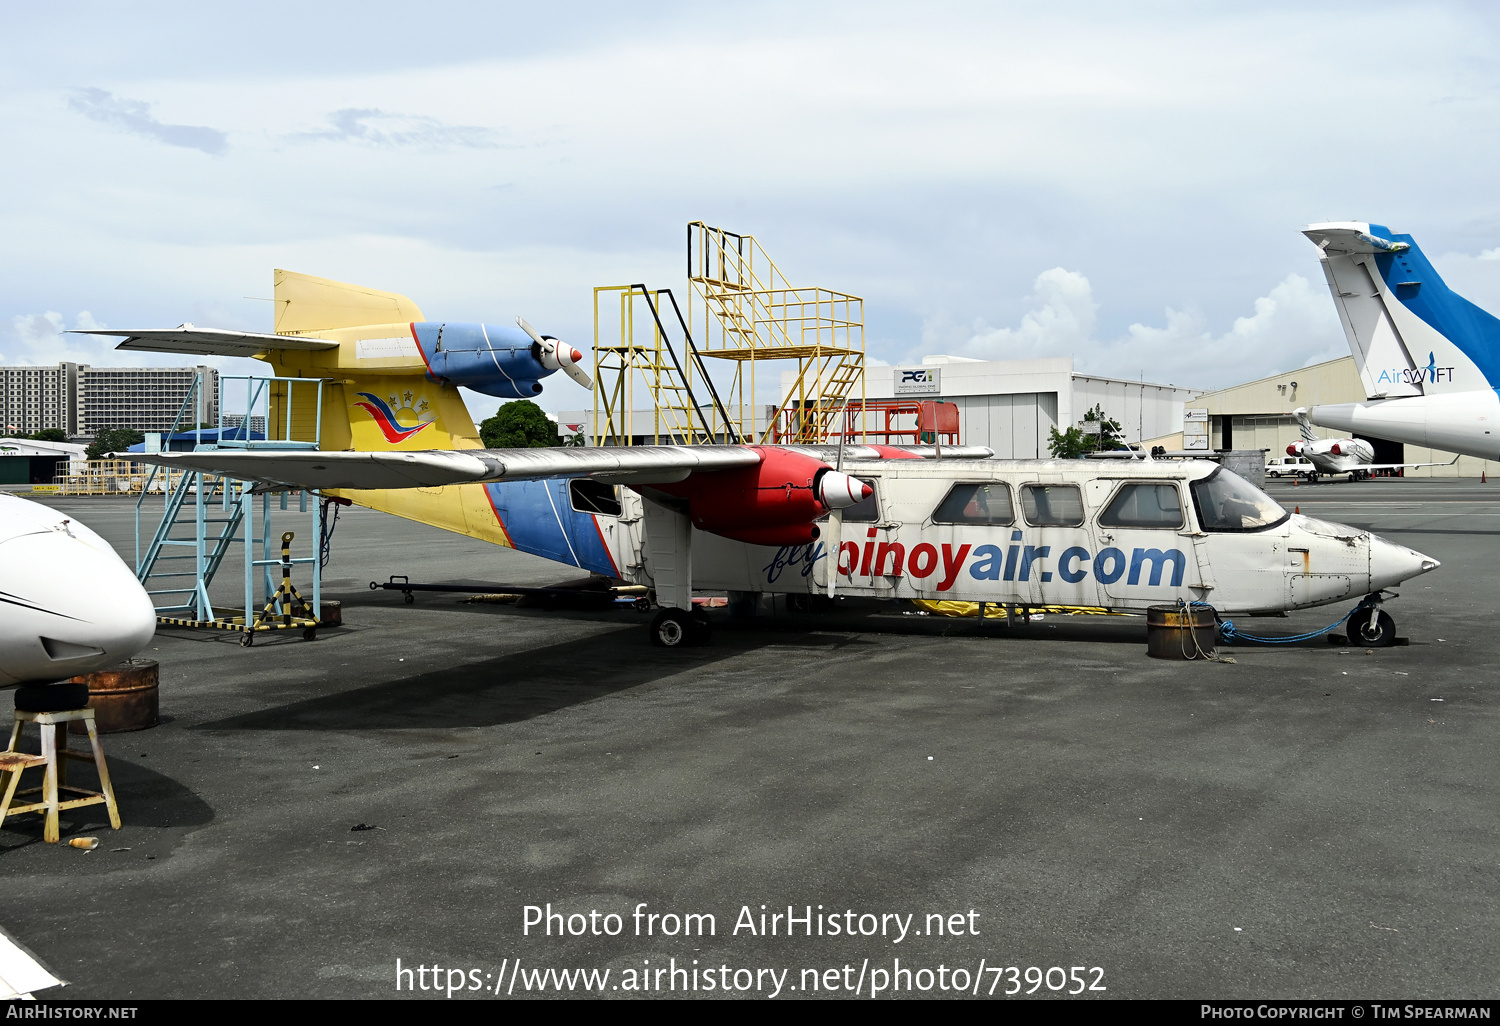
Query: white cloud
135	116
383	128
1490	254
1292	325
40	338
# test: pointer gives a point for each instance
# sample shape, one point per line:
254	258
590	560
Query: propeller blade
832	536
569	365
557	355
521	323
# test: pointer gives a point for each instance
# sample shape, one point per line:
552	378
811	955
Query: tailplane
1304	425
1409	333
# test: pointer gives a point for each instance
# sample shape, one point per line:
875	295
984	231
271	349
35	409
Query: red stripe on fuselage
413	326
612	564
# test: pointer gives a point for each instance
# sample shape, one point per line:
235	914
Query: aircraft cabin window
984	505
594	497
1052	505
1227	502
1144	505
867	510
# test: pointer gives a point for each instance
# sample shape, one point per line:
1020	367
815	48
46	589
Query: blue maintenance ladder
204	514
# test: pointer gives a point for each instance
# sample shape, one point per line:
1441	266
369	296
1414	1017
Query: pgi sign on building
917	381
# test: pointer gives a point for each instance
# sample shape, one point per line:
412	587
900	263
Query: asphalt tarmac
1311	820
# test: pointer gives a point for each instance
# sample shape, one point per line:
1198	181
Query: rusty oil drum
1171	630
123	697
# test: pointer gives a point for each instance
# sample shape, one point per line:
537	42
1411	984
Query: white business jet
1352	456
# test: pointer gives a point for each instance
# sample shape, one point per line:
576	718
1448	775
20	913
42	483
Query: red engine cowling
1336	450
772	503
1293	449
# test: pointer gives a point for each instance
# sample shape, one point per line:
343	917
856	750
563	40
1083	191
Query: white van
1290	466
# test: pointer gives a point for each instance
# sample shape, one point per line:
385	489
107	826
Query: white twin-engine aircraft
764	518
748	518
1350	456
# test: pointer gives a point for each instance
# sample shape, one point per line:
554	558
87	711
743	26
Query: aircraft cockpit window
594	497
1052	505
1227	502
1144	505
866	510
984	505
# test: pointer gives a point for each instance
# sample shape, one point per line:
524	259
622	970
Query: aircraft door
1143	547
1052	554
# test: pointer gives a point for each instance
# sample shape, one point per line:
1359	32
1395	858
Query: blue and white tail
1410	334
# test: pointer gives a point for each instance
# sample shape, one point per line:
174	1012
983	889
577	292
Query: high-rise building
34	398
144	398
84	400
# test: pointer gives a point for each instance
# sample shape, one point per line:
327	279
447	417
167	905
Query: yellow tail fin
376	395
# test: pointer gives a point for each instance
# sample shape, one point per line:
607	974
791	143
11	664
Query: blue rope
1229	634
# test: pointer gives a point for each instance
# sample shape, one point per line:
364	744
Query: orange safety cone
1294	481
1482	478
1296	509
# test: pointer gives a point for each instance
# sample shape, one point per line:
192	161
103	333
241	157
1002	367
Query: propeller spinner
556	355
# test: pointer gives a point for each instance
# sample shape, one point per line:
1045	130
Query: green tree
519	424
1108	435
113	440
1070	444
577	440
50	435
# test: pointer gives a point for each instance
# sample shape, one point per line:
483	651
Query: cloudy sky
1122	183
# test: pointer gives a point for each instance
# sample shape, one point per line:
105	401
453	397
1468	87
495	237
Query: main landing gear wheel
1377	635
672	628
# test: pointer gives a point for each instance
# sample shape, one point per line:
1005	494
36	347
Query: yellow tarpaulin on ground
951	608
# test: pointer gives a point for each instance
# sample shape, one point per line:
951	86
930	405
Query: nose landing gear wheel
672	628
1377	635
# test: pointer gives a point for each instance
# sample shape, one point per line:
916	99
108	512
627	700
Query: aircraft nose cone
1390	564
577	356
82	609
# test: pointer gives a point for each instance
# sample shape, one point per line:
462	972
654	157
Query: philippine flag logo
385	417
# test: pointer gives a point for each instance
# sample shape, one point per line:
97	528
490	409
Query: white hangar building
1012	405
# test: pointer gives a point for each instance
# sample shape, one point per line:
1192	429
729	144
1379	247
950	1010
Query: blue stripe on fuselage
540	520
1475	331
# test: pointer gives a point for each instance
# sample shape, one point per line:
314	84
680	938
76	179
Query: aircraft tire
51	697
1360	633
672	628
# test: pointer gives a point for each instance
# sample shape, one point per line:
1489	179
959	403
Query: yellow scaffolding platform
634	356
744	309
741	308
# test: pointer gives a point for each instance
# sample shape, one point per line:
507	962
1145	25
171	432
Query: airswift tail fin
1409	333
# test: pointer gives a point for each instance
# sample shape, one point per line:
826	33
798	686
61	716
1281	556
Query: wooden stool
54	726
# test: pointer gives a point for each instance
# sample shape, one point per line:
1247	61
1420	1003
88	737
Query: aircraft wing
436	467
187	339
431	468
1398	466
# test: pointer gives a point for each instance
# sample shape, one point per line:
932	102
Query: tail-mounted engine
772	503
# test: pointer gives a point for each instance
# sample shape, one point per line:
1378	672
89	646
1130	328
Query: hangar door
1016	426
